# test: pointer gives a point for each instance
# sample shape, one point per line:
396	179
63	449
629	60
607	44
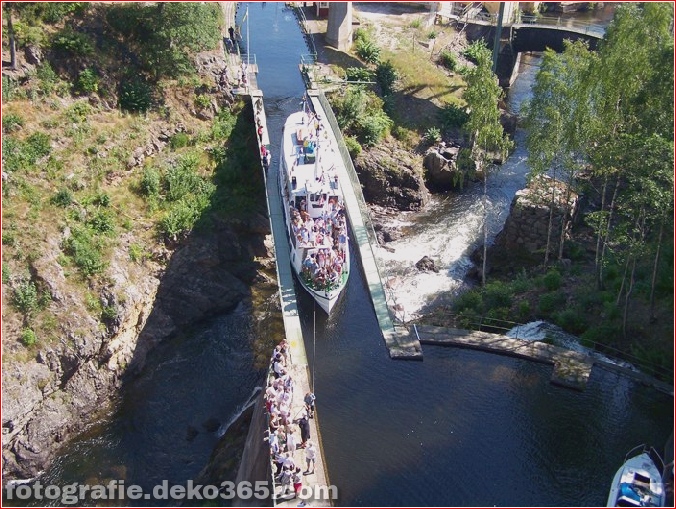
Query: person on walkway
231	31
290	442
260	133
304	426
297	482
310	455
310	404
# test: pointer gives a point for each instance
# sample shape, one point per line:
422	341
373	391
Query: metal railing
469	14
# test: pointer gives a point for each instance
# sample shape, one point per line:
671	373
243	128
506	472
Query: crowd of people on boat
281	435
327	234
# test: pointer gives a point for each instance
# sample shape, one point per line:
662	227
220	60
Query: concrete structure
339	29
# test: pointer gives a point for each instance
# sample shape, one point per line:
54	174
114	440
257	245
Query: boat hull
316	220
638	482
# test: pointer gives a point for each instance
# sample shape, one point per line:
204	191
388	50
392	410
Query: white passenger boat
313	206
638	482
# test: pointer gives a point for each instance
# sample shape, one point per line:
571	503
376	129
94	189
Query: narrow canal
461	428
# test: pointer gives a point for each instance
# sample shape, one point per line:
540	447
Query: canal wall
571	369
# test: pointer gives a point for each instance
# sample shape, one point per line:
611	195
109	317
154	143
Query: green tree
557	118
487	136
181	28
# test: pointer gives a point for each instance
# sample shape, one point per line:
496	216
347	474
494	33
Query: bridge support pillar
339	30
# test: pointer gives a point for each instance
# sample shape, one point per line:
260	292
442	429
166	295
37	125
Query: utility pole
498	35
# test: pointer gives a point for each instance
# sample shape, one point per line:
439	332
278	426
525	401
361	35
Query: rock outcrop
528	224
523	239
392	177
441	167
52	396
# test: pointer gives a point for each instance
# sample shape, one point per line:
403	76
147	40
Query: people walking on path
310	455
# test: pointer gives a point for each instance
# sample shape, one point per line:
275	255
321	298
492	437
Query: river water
461	428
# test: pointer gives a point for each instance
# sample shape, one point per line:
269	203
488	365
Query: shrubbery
386	76
448	60
135	95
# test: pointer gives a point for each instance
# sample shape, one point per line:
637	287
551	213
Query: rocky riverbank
48	399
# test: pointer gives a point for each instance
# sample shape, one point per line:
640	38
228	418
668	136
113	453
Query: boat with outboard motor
313	206
638	482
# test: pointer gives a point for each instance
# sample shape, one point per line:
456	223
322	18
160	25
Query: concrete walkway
299	369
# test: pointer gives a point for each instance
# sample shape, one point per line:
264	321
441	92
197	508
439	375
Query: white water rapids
451	226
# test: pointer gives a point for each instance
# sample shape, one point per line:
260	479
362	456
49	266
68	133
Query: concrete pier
571	369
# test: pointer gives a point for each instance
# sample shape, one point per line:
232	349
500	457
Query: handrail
521	20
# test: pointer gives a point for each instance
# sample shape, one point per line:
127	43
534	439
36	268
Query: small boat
638	482
313	206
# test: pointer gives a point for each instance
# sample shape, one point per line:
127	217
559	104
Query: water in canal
461	428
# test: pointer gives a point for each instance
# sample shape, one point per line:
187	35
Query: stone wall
528	222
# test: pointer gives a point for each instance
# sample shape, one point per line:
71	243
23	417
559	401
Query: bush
471	300
202	101
135	95
183	179
453	116
47	78
604	334
101	199
63	198
179	220
136	253
448	60
109	313
550	302
571	321
70	41
223	125
433	135
368	51
497	295
374	127
179	140
102	222
28	337
78	112
465	163
552	280
358	74
150	182
88	81
353	146
524	311
6	273
477	52
9	88
25	297
11	122
386	76
85	252
37	146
